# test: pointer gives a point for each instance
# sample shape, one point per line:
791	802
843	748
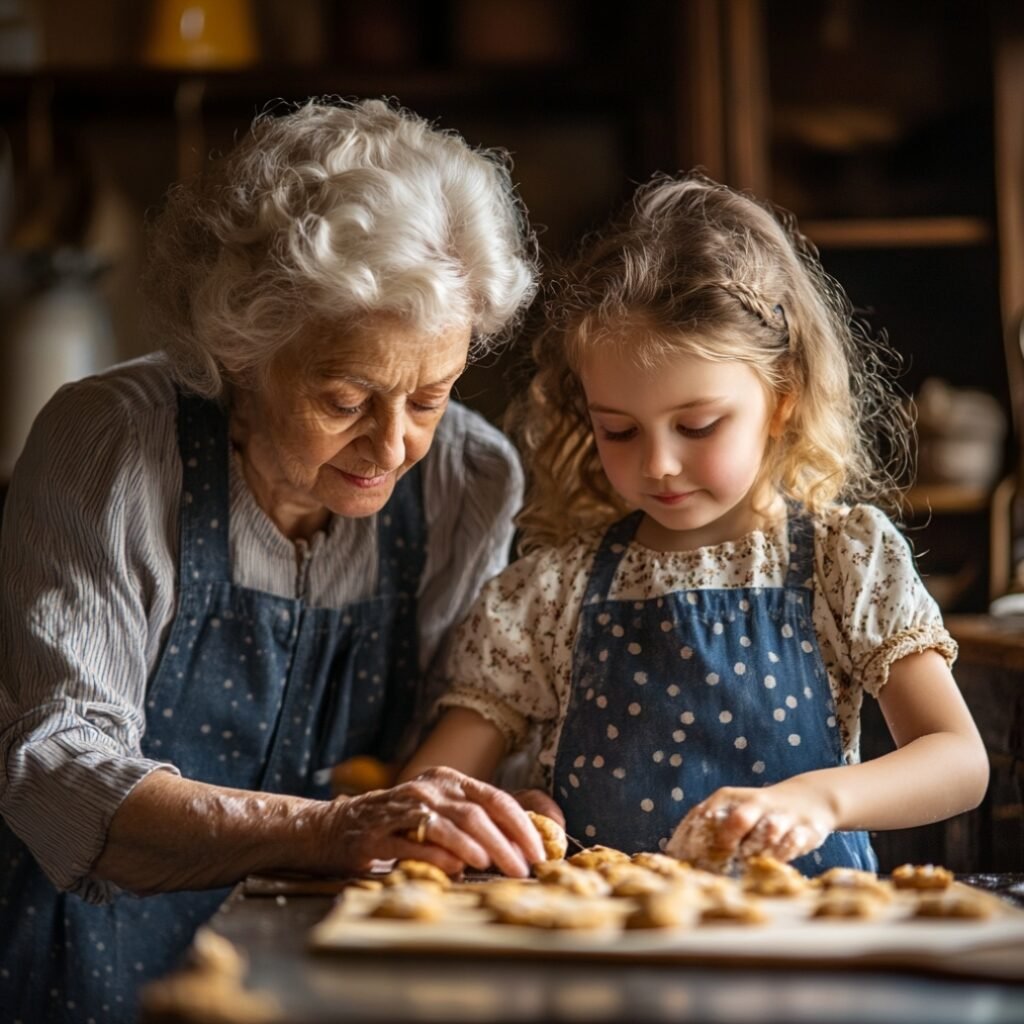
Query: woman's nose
388	440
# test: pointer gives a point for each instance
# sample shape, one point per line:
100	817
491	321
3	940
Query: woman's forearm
931	778
172	833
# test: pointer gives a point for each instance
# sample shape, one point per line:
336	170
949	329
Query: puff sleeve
880	608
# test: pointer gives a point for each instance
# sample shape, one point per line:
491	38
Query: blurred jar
56	329
210	34
960	435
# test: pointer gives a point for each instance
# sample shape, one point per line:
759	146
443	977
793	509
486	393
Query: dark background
888	128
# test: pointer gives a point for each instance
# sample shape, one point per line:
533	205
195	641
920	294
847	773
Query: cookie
576	913
922	876
547	907
665	909
766	876
566	876
413	901
853	880
630	880
847	904
708	852
597	856
552	835
733	910
660	863
417	871
962	905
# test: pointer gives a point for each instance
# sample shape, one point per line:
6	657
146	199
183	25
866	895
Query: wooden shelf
143	88
899	232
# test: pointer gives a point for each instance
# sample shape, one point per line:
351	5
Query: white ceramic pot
51	336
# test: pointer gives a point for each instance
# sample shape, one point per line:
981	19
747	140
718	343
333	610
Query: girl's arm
463	740
939	769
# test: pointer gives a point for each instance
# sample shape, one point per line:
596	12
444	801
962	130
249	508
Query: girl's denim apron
676	696
252	691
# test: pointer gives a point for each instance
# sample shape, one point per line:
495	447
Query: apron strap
613	545
402	547
800	537
203	554
402	537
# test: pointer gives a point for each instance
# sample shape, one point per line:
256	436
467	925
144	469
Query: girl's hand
462	821
784	821
538	801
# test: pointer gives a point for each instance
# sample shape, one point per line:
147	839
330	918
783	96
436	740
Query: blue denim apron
252	691
676	696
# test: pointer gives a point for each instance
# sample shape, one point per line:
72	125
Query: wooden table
387	989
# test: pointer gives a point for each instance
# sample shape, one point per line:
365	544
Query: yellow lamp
198	34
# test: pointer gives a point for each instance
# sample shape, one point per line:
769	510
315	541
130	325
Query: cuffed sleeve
878	601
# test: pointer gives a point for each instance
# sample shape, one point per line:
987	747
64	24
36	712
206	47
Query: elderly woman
228	566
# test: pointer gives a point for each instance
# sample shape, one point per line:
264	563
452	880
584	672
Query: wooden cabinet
893	132
579	93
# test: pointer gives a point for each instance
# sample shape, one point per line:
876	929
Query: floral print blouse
511	658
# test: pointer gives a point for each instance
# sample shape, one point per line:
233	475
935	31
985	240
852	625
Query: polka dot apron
676	696
252	691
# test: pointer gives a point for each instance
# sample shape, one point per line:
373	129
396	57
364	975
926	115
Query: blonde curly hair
324	214
695	267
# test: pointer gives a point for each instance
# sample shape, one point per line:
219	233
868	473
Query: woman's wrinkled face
347	415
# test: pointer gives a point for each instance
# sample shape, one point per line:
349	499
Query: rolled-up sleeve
74	631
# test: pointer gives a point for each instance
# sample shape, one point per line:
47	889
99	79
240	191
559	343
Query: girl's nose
660	459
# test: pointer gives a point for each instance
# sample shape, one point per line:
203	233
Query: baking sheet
789	936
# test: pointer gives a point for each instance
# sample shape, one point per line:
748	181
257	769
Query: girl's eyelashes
698	432
629	432
617	435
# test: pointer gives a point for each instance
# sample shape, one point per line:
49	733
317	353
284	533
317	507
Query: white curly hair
326	214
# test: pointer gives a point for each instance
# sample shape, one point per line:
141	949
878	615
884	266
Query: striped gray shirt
89	563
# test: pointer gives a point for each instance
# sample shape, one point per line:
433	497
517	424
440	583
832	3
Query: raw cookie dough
552	835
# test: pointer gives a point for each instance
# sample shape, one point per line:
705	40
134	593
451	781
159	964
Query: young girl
704	605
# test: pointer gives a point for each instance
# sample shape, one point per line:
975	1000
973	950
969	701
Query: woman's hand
784	821
462	821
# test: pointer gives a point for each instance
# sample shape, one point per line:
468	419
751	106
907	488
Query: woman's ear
783	410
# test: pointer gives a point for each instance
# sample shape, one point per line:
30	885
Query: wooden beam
747	97
1008	47
700	103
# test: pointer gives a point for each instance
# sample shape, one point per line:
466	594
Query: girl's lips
672	499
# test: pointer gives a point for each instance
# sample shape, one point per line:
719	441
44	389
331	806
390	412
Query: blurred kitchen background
895	131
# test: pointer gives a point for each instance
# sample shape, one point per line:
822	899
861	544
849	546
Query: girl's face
684	442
